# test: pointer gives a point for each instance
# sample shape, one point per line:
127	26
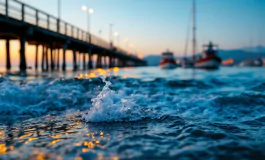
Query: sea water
133	113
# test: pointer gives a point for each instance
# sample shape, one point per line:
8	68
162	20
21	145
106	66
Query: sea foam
111	106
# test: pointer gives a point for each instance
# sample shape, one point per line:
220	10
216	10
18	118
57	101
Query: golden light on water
78	158
85	150
54	142
115	158
85	140
39	155
78	144
57	135
116	69
31	139
97	73
93	139
25	136
3	149
2	136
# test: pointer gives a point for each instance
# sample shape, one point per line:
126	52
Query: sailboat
208	59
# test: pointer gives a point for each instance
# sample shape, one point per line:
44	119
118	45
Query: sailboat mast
194	30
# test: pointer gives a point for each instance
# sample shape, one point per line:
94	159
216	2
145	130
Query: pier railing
28	14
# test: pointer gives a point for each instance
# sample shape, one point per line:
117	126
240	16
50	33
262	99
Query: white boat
168	61
208	59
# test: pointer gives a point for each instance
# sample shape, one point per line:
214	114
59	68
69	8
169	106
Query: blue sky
153	26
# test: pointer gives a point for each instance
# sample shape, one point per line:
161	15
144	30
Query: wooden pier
20	21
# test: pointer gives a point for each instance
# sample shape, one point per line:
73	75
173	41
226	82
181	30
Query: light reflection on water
140	72
42	138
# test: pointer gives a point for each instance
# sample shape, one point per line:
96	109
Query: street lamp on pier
89	12
110	34
116	34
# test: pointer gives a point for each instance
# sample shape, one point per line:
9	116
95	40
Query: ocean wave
128	99
39	99
110	106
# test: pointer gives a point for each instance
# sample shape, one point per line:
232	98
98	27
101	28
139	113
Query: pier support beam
23	63
79	60
43	57
8	63
123	63
84	61
36	57
46	59
105	61
110	61
54	58
74	60
90	65
58	59
64	57
51	56
118	62
99	61
113	62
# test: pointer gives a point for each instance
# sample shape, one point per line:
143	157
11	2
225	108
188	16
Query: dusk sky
153	26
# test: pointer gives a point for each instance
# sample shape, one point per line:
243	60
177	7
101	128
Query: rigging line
187	38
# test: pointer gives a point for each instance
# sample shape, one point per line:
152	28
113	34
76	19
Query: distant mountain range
238	55
256	49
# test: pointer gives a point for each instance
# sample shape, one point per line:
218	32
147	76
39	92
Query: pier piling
74	60
51	56
110	61
64	57
43	57
36	57
46	59
8	63
90	55
23	63
58	59
84	61
99	62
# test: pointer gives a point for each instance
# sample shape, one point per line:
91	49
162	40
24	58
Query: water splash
109	106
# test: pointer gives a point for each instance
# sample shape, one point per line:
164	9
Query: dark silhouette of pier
20	21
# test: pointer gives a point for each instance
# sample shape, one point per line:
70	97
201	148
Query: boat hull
208	63
168	66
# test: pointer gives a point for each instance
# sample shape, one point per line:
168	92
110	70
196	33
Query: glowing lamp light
116	34
84	8
90	11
